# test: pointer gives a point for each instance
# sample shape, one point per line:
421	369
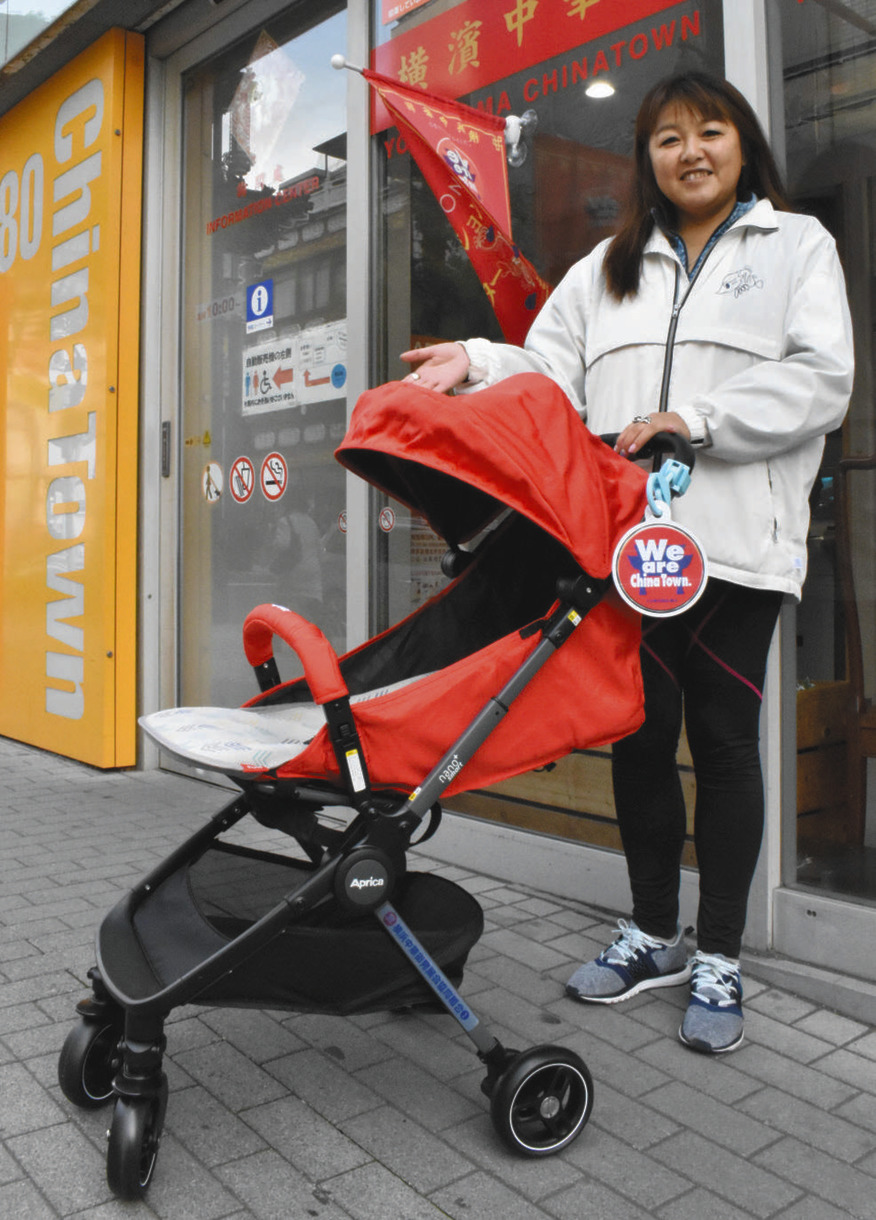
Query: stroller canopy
460	460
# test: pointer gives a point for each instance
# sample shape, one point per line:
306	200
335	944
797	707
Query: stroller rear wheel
542	1101
132	1142
89	1060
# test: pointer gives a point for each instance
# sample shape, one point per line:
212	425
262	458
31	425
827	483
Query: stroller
489	678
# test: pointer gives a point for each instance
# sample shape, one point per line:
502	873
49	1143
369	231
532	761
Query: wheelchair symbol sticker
274	476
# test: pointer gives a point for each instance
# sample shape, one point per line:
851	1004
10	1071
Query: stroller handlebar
322	670
662	442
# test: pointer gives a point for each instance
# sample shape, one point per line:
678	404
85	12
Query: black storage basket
330	961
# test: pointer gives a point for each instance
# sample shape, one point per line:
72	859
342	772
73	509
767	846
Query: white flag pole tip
340	61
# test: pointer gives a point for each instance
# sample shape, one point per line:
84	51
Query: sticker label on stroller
438	981
354	766
659	568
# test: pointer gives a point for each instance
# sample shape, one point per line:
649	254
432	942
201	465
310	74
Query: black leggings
707	664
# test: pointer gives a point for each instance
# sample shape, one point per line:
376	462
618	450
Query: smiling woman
697	163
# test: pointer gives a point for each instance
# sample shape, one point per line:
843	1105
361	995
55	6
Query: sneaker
632	964
713	1022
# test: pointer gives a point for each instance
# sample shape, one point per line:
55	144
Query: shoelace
631	942
715	981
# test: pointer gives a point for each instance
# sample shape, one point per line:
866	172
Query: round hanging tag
659	568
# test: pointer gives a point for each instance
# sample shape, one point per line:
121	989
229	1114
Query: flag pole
341	61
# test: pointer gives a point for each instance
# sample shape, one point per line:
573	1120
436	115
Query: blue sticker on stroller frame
437	980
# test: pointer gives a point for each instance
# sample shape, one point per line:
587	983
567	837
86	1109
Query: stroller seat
243	740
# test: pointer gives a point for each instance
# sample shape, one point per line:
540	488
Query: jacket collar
761	216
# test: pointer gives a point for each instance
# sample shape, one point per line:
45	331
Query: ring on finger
641	419
415	376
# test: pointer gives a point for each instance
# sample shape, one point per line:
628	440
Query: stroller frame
540	1099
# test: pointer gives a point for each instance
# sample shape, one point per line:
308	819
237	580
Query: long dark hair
709	98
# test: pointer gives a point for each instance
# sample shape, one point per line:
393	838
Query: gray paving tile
314	1146
230	1076
637	1176
734	1178
816	1173
272	1189
593	1200
67	1168
840	1139
374	1193
208	1129
413	1153
413	1091
531	1177
24	1104
327	1086
479	1194
23	1201
807	1083
723	1124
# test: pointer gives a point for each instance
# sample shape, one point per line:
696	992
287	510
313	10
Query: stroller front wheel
542	1101
88	1062
132	1142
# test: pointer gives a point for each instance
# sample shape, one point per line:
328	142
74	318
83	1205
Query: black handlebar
661	442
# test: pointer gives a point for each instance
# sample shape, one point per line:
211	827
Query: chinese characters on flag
461	154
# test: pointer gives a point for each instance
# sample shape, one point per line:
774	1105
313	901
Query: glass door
263	346
829	70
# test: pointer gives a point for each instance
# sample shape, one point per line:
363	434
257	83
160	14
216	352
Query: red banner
478	42
461	154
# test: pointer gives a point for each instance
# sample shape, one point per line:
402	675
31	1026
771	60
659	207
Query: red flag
461	154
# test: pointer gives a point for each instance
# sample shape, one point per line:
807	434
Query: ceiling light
600	88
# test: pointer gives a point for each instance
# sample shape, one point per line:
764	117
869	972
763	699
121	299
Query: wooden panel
821	778
823	713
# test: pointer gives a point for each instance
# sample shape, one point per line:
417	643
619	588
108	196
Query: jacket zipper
678	303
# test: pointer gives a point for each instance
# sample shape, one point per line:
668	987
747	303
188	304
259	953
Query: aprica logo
365	883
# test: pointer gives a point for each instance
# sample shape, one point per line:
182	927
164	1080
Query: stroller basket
331	961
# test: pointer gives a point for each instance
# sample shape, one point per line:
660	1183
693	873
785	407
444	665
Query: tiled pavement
380	1117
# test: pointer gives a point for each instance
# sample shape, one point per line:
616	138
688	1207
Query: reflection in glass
829	60
264	343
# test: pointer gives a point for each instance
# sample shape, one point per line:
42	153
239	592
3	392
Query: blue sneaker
632	964
713	1022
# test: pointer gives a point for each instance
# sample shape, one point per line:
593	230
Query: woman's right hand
441	367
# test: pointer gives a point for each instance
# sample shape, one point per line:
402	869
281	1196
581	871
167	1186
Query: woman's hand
642	427
441	367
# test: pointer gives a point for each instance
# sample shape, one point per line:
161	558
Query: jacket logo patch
740	281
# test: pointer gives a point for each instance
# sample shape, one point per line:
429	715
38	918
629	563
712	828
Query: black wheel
132	1142
542	1101
88	1062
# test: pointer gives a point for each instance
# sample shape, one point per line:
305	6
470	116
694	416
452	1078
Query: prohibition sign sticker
241	481
274	476
659	568
386	520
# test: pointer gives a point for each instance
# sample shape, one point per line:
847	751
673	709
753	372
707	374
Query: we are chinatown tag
659	568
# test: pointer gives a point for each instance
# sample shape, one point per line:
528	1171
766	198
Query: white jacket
761	369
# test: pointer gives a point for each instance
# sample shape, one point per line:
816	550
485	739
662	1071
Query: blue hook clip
672	479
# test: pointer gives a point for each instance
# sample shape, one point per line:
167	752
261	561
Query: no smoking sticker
274	476
659	568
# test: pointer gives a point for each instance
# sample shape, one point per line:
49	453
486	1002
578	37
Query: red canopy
518	443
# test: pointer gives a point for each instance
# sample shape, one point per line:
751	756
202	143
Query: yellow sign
70	179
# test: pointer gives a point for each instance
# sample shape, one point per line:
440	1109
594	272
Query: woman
717	312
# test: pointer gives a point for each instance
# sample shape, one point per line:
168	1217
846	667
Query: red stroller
489	678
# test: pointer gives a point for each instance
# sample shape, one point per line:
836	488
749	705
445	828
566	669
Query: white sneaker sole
662	980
